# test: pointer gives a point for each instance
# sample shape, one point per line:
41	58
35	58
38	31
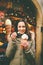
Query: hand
24	44
13	35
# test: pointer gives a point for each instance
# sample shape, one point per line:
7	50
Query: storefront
38	23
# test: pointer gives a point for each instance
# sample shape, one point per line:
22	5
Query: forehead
21	24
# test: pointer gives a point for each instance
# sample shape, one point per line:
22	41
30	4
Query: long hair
27	28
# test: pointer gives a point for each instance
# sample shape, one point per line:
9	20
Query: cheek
24	29
18	29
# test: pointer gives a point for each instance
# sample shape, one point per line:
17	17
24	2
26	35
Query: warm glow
1	43
16	18
29	25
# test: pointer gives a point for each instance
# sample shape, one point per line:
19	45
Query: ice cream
24	36
24	41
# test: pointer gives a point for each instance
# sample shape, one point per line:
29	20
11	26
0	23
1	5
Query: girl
19	50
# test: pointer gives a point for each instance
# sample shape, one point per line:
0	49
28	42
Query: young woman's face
21	27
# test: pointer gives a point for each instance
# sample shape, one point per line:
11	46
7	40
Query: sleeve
29	47
11	49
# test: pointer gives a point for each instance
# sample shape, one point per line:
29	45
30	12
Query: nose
21	28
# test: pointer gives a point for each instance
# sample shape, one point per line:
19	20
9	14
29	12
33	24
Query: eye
23	26
19	26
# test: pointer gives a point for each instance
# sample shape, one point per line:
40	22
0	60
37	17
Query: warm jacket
18	56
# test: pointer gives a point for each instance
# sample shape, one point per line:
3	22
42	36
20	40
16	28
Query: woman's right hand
13	35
